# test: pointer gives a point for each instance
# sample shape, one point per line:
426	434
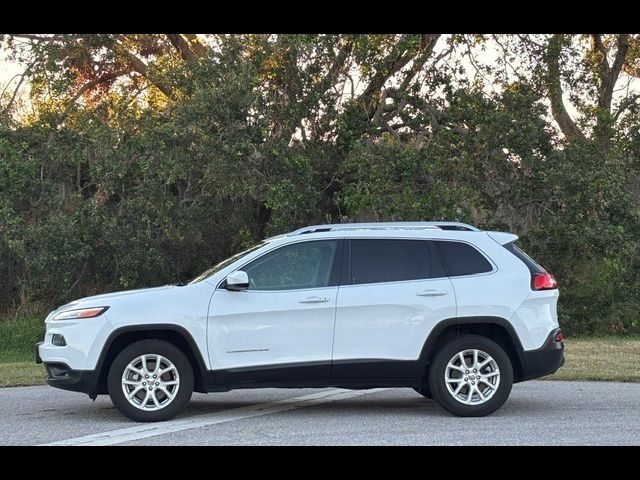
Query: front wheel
150	381
471	376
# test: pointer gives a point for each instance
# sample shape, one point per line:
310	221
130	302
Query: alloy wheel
472	376
150	382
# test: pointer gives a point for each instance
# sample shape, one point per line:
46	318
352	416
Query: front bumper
38	359
59	375
544	360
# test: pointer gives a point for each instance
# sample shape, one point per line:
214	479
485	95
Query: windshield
225	263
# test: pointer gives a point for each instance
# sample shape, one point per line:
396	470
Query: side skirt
358	374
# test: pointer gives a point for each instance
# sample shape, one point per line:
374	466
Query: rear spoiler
503	237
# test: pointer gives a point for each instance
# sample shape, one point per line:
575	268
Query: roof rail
385	225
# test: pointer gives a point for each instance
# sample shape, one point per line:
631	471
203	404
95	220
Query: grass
587	358
18	337
17	374
612	359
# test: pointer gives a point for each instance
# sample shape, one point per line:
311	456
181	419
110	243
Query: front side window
375	261
462	259
296	266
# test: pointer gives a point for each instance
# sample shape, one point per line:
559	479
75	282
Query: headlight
81	313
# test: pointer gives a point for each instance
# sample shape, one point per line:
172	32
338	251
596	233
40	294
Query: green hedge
18	336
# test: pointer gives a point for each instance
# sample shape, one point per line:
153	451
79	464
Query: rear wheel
150	381
471	376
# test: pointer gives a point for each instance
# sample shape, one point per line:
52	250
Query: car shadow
363	405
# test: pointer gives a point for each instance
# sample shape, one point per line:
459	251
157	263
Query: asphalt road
537	413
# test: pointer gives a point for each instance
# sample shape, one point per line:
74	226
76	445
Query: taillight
543	281
559	337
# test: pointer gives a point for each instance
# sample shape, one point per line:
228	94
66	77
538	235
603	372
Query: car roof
452	230
443	225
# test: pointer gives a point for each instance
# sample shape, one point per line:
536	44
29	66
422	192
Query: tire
494	384
176	384
424	390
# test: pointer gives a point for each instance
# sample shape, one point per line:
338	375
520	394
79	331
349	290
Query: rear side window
374	261
531	264
462	259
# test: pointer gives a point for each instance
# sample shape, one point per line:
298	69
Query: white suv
456	313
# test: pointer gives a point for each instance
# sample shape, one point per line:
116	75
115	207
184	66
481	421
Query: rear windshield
531	264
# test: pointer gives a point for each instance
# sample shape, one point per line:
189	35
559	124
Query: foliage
18	336
147	158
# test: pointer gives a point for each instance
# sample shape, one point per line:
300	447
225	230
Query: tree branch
597	46
107	77
394	61
29	36
338	67
624	104
15	92
428	43
141	68
554	90
196	46
70	104
13	97
621	55
183	47
607	74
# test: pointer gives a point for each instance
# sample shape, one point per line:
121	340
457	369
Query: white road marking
152	429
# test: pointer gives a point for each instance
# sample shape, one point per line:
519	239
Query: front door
281	328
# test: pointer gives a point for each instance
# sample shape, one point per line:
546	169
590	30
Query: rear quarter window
531	264
462	259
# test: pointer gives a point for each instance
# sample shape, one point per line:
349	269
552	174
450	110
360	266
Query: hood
105	298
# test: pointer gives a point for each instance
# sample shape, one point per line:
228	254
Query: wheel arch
175	334
497	329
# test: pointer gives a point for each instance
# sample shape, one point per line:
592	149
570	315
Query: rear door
392	293
470	273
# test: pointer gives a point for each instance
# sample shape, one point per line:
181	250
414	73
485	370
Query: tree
143	159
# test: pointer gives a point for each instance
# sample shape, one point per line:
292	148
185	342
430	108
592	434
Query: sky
8	79
8	68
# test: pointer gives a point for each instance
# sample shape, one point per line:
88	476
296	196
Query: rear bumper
544	360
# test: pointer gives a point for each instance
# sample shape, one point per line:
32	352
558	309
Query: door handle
431	293
313	300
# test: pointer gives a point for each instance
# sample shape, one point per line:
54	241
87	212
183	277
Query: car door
392	293
281	327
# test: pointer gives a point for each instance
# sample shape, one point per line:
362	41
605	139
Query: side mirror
237	281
